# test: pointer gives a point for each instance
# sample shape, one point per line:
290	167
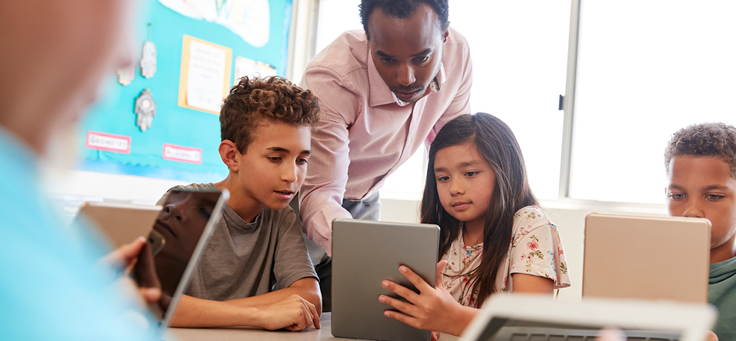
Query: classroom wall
71	187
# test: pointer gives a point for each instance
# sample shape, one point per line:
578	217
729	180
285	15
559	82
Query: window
645	70
519	51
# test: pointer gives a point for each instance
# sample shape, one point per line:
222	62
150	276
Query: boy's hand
292	313
431	309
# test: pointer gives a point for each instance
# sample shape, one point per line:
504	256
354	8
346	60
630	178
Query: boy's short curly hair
706	139
272	98
403	9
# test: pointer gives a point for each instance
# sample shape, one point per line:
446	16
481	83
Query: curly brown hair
273	98
705	139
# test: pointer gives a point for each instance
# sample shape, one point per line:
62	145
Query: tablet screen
172	243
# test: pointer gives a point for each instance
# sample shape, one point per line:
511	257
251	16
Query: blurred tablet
657	258
536	317
364	253
121	223
186	222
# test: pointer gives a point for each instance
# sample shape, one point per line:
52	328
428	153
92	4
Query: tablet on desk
364	253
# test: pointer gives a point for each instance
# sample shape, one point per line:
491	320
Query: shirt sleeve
291	259
536	248
461	103
321	195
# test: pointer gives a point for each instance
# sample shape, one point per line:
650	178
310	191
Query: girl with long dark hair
493	236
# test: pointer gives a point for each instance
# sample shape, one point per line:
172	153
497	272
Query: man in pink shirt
382	93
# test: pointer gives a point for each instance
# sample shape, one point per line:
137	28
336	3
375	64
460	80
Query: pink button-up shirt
364	135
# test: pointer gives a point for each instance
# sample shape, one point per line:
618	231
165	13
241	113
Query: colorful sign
182	154
108	142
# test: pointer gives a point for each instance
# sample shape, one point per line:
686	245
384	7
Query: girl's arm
433	308
524	283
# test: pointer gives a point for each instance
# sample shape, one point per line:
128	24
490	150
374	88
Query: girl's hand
431	309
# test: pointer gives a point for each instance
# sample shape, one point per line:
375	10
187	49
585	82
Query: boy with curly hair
256	270
701	168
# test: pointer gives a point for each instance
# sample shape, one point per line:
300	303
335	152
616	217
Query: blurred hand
617	335
126	256
608	334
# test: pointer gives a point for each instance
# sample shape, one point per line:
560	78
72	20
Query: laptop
185	222
121	223
364	253
537	317
649	258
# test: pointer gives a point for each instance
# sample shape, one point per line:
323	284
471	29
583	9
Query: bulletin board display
181	140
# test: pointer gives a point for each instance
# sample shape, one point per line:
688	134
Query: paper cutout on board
148	59
145	110
250	68
249	19
203	65
206	74
182	154
108	142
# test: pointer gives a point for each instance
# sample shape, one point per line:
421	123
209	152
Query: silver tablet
121	223
364	253
656	258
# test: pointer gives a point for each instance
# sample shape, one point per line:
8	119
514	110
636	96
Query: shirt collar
380	94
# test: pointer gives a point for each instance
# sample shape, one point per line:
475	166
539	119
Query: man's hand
292	313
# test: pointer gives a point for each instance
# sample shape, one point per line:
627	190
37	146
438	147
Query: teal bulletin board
134	152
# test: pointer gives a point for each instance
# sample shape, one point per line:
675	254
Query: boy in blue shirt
54	56
701	168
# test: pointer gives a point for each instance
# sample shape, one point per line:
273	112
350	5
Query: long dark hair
496	143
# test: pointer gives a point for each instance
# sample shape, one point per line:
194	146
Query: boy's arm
307	288
291	312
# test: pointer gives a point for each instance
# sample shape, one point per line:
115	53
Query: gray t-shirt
247	259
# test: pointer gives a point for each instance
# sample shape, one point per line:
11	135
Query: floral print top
535	248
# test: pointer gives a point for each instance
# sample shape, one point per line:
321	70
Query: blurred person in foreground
52	283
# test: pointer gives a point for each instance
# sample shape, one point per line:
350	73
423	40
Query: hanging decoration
145	109
148	57
126	74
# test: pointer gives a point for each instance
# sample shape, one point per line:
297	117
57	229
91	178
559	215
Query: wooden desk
239	334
